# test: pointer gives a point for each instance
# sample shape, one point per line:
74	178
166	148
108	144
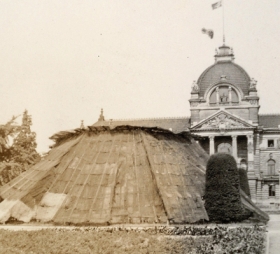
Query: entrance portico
227	133
239	145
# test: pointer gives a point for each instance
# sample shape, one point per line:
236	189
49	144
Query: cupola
224	53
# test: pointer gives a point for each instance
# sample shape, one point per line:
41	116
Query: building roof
174	124
269	120
234	73
226	68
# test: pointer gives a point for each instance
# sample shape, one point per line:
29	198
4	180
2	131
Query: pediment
222	120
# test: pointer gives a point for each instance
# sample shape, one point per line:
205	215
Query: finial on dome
82	124
101	116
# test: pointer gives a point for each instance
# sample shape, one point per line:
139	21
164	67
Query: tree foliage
7	130
222	192
18	156
244	183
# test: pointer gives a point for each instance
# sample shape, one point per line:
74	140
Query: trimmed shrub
222	192
244	183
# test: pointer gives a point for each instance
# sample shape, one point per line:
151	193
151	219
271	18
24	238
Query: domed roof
225	70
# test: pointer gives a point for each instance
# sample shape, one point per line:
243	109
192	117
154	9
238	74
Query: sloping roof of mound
259	215
106	176
174	124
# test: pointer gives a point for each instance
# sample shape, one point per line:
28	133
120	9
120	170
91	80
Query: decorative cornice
226	131
228	107
270	114
270	130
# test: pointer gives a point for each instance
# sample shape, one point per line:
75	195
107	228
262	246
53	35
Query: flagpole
224	37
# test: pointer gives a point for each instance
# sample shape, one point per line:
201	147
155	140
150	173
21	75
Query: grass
118	240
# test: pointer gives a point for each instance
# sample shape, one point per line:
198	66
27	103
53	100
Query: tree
21	154
244	183
7	130
24	145
222	192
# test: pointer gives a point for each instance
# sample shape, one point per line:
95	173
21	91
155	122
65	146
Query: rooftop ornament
253	84
223	77
195	87
101	116
82	124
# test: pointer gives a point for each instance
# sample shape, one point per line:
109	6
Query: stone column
211	145
229	94
217	95
234	146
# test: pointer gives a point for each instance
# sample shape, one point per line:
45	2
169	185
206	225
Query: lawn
181	239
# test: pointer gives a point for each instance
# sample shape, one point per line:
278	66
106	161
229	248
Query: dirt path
274	234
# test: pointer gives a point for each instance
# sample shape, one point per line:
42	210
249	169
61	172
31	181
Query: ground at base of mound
39	226
172	239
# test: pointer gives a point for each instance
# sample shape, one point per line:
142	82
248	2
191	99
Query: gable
222	120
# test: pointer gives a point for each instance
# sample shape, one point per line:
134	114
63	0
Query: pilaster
265	192
257	156
250	156
259	191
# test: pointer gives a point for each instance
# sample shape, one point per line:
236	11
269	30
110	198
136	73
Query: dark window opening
271	190
270	143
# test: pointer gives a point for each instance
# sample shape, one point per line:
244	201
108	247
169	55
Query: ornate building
224	107
225	113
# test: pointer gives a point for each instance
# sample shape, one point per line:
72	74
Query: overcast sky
65	60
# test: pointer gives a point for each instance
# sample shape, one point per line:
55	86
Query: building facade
224	109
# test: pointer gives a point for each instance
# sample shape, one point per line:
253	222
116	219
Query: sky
65	60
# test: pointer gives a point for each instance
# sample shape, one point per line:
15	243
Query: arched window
271	190
271	167
223	94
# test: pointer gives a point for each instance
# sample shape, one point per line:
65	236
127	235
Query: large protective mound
110	176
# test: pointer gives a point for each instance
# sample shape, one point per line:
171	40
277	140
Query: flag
216	5
209	32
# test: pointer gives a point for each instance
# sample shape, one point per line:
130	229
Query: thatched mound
106	176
